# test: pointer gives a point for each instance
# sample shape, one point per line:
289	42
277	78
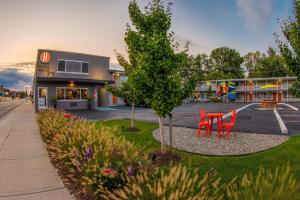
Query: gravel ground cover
186	139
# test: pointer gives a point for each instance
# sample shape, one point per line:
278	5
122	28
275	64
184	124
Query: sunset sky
98	26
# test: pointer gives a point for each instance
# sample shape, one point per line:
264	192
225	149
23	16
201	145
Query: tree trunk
162	135
170	131
132	116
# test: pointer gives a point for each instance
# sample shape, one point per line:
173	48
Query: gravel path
186	139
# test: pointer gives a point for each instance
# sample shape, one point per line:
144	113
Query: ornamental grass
96	164
93	156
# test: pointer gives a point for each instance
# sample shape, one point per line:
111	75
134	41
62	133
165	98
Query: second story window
70	66
85	67
61	66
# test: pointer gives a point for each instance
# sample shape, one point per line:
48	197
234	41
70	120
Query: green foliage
290	49
226	64
54	101
160	66
209	91
228	167
176	183
97	157
196	67
94	157
127	90
261	65
273	185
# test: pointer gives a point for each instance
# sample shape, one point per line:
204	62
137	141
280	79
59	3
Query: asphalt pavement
249	120
7	106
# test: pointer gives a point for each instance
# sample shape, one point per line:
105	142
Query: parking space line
283	128
290	106
237	110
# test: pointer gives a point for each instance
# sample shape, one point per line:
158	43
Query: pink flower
109	172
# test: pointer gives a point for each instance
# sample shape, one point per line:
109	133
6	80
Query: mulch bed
69	180
131	129
159	158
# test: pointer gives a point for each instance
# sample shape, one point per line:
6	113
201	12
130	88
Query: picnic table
268	104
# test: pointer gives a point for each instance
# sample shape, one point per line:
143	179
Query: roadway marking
283	128
288	105
237	110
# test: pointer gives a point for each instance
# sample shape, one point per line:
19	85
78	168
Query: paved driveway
251	119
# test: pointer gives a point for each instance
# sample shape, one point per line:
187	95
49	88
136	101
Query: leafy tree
272	65
197	66
226	64
209	91
261	65
128	90
290	48
160	64
252	62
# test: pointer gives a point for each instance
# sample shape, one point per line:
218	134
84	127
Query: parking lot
250	119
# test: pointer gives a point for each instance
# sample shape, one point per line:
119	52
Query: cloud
254	12
13	78
194	47
25	67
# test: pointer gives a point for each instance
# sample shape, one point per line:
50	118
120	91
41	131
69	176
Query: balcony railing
258	88
245	88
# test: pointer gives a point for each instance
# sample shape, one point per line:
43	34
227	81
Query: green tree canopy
226	64
262	65
290	48
160	64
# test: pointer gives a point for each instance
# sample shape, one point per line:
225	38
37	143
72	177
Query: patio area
185	139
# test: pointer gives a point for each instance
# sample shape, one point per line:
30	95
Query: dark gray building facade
70	80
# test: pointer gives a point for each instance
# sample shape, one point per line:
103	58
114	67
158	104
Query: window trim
66	61
71	88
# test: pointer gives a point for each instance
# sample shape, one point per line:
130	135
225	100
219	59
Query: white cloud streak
255	13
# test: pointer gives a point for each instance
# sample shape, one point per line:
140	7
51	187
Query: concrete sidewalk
25	169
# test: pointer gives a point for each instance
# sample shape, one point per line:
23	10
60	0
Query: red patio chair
229	125
203	122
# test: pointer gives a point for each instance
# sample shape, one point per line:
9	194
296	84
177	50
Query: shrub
278	185
89	152
177	183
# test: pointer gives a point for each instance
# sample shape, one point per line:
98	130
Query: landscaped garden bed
186	139
97	160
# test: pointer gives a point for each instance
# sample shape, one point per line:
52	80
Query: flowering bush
177	183
91	154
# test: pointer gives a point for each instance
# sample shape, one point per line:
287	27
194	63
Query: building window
61	66
71	93
60	94
72	66
85	67
84	94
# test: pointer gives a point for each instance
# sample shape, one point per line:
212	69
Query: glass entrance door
42	100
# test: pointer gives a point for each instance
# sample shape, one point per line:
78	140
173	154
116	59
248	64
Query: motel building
73	81
247	90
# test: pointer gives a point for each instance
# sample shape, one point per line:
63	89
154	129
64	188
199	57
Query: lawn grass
227	167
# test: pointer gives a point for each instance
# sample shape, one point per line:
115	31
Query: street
7	106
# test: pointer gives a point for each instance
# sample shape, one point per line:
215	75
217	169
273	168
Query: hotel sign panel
45	58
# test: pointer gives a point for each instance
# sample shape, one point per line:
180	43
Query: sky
98	27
